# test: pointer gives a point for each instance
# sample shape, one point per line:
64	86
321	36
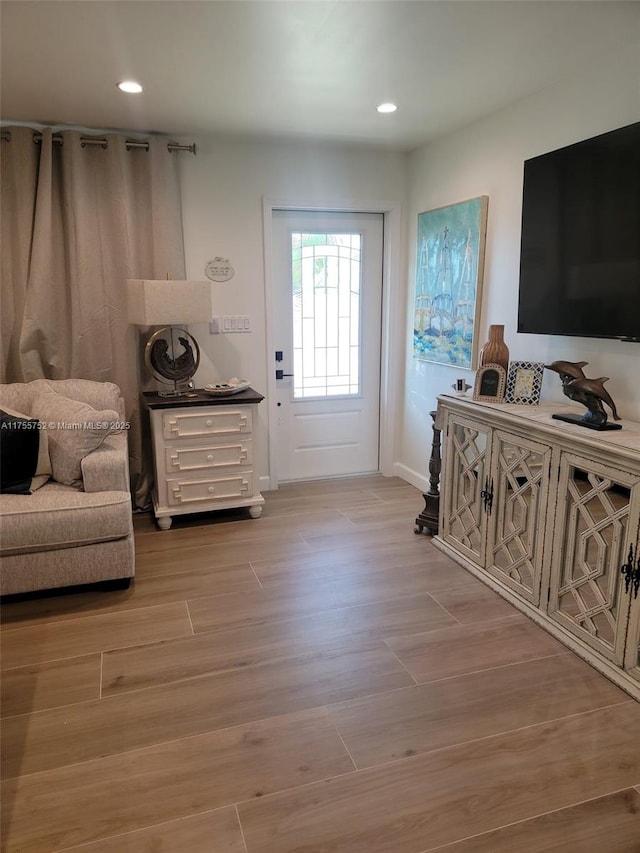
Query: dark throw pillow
24	459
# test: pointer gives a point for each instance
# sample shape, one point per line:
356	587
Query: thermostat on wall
218	269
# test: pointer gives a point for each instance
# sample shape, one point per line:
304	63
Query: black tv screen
580	250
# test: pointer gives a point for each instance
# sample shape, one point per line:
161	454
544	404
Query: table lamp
171	354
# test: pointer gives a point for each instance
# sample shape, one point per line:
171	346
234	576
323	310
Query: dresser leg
164	522
255	511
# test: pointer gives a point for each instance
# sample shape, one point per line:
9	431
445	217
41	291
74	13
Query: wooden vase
495	351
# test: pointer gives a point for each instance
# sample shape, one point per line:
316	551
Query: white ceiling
299	68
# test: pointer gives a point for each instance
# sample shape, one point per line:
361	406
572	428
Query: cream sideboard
204	451
547	514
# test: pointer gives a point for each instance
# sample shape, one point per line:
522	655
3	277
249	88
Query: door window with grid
326	287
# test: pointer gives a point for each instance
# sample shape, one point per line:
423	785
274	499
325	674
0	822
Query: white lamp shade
166	303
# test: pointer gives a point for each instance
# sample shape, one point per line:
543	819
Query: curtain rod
5	135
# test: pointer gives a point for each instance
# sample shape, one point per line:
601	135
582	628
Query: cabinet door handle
487	495
484	493
631	572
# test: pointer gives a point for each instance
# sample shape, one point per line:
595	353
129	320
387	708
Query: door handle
631	572
487	495
484	494
280	374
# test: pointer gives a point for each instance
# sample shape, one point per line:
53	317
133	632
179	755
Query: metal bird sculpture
176	369
589	392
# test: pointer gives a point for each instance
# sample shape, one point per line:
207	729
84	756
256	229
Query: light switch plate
230	324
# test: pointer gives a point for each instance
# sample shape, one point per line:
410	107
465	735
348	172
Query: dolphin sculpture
572	369
589	392
590	389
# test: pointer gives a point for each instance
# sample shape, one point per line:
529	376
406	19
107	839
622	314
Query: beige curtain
77	222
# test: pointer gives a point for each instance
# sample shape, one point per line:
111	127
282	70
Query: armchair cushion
60	516
74	430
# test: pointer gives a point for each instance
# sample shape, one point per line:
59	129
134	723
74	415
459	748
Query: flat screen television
580	245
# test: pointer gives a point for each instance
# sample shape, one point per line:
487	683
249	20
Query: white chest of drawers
204	454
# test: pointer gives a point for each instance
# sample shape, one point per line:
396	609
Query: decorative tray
225	389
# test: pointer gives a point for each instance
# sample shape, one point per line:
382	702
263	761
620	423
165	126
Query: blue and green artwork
449	261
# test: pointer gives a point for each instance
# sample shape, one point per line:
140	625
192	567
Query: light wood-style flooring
319	680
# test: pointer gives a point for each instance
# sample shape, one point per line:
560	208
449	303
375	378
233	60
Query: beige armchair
80	530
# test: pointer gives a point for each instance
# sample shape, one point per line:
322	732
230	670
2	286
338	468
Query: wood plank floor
319	680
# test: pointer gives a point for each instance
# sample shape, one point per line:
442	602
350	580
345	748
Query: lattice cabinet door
596	523
519	489
462	515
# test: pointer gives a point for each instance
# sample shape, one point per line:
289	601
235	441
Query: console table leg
428	518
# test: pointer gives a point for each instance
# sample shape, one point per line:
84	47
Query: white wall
222	195
223	190
487	159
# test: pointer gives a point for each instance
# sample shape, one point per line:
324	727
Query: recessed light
386	108
130	87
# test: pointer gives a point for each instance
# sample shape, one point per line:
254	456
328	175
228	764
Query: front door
327	309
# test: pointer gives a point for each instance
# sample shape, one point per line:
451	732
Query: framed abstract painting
449	269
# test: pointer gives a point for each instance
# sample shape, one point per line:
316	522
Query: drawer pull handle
211	489
209	422
210	457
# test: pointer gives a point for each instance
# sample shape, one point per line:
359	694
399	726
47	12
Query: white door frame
391	351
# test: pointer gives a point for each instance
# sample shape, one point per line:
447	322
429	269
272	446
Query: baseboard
266	486
402	471
413	477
